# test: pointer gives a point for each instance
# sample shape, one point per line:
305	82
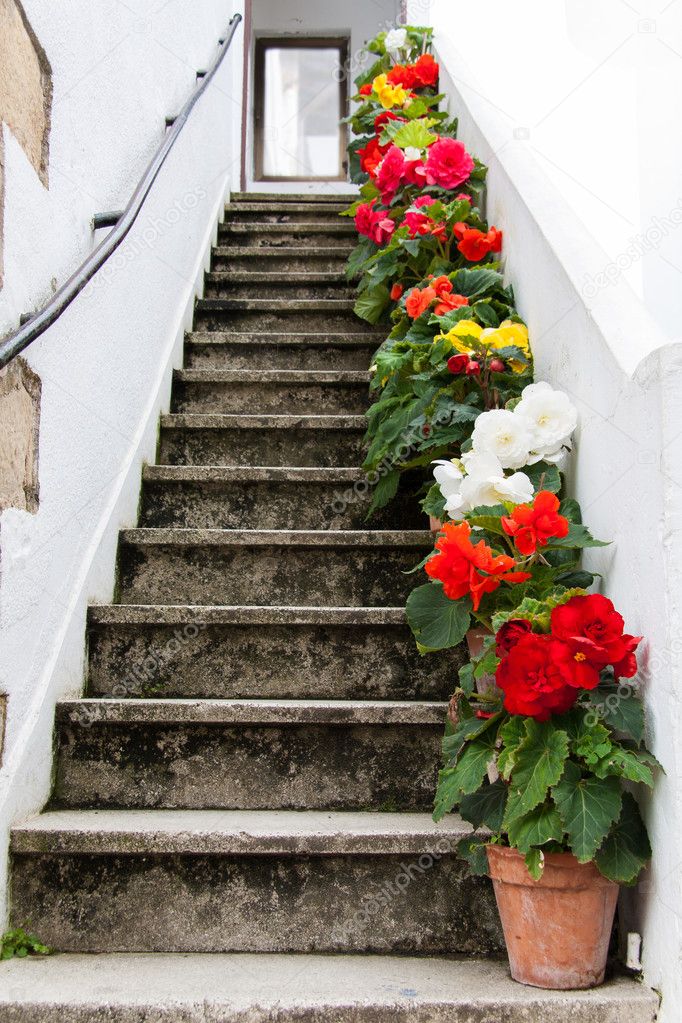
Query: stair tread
224	421
281	277
252	712
268	987
277	305
361	339
248	474
272	376
272	206
283	251
304	227
279	537
256	831
245	614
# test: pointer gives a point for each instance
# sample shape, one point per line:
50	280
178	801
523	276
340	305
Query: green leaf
485	806
541	825
473	851
587	807
414	133
535	863
626	850
632	764
384	491
544	476
623	712
434	503
539	763
468	728
466	678
512	733
363	251
436	621
462	779
578	536
371	304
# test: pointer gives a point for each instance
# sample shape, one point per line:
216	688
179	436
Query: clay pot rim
558	868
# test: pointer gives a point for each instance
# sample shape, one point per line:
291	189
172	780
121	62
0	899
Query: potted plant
542	763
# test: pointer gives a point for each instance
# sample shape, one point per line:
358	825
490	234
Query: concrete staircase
251	771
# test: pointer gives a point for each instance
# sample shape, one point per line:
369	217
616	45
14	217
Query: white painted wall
615	362
358	19
590	89
106	365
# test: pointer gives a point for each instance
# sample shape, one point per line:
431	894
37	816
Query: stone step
344	568
267	988
247	754
321	351
302	392
278	315
285	285
241	497
295	233
285	259
173	881
262	653
284	213
297	198
259	440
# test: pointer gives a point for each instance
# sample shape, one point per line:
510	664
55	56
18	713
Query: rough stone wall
19	424
25	94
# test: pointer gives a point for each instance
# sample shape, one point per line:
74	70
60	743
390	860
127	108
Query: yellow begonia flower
389	95
463	329
507	334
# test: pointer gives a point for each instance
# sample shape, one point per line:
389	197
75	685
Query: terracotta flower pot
486	684
435	525
557	929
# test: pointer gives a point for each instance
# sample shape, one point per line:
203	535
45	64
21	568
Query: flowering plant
532	548
542	760
546	726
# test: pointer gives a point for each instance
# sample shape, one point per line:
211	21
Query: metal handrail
18	341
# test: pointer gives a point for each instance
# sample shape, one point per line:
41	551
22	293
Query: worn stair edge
189	614
289	377
268	988
326	339
236	832
248	474
294	197
275	305
277	538
283	252
279	277
277	206
251	712
225	421
293	227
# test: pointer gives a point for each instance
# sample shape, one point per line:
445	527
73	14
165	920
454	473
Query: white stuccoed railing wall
106	368
626	380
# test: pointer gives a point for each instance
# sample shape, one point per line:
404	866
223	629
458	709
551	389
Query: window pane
301	113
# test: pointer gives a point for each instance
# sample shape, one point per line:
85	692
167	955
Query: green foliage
437	622
626	850
538	763
17	944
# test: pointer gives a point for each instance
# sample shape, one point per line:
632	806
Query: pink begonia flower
448	164
390	174
415	173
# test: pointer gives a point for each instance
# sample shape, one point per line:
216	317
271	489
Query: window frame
262	45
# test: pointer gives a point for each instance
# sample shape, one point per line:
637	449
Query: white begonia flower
502	433
449	477
489	490
550	417
412	153
395	40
